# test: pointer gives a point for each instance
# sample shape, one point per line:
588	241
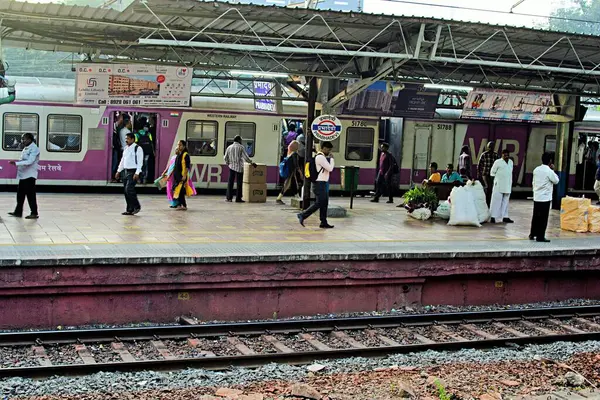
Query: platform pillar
564	137
310	116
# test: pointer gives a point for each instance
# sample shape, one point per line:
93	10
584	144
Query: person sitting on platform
435	176
451	175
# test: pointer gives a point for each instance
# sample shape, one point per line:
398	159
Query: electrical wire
417	3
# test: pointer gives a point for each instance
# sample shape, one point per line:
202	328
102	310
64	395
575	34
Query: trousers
488	185
499	206
539	221
597	188
321	190
26	189
384	186
236	177
131	197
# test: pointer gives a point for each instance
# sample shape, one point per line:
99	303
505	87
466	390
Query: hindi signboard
506	105
264	89
133	85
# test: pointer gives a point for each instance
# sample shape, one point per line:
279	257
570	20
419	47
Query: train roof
59	90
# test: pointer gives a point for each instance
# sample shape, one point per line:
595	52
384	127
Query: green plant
420	197
442	394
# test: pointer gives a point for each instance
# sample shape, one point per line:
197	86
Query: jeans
384	186
26	189
322	202
144	175
237	177
539	221
116	159
131	198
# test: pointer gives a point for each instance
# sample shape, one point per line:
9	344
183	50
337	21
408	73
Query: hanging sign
133	84
505	105
264	89
326	128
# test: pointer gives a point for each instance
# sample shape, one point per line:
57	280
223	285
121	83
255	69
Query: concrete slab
85	228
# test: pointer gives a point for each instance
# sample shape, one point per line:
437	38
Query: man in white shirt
544	180
502	172
27	173
131	163
324	163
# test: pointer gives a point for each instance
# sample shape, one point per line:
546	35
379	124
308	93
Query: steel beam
272	49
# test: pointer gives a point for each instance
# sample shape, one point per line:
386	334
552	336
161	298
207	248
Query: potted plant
420	198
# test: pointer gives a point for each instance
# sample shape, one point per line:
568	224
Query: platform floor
90	226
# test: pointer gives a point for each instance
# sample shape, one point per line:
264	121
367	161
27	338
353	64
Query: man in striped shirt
235	156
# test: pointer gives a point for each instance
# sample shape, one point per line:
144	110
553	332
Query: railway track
220	346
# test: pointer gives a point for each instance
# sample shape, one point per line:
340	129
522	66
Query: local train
76	140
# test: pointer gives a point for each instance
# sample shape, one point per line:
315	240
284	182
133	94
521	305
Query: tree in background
572	18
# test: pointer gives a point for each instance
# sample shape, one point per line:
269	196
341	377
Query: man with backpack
387	168
318	170
131	163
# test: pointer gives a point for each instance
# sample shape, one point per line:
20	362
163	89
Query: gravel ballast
121	382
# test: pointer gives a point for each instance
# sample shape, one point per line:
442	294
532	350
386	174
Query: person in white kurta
502	171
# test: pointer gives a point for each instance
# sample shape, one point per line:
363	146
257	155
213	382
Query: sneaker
326	226
240	201
136	211
127	213
32	216
279	202
300	219
389	202
229	200
12	214
531	237
508	221
543	240
492	220
374	200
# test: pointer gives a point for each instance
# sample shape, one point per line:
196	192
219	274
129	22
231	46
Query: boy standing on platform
324	164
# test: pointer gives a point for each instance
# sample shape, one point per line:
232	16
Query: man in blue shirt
27	173
451	175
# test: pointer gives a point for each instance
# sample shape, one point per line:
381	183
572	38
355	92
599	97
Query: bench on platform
443	190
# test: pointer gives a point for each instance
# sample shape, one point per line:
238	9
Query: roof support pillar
564	139
308	153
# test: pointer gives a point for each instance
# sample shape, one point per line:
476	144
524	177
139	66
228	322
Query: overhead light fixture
448	87
259	74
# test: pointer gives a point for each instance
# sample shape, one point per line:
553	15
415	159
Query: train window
247	130
359	144
201	138
64	133
15	125
550	144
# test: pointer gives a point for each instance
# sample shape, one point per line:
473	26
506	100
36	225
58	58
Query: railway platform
82	261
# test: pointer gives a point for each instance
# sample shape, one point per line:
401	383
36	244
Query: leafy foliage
420	197
575	17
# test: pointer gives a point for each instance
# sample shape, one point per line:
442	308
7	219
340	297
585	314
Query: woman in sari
182	185
168	173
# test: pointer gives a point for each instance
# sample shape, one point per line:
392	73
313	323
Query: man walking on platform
384	176
131	163
235	155
484	166
502	173
323	164
544	179
27	173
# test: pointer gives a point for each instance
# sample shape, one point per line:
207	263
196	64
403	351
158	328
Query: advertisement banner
506	105
265	89
133	85
392	99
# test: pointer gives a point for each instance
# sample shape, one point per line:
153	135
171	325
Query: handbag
161	182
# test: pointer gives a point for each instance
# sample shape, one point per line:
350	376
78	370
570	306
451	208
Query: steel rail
288	326
292	326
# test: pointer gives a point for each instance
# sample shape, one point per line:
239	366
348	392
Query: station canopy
216	37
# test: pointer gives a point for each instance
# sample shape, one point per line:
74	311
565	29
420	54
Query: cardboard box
254	192
255	175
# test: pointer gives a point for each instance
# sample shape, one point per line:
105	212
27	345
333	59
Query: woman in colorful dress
182	185
168	173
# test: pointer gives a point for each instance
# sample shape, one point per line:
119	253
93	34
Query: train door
145	126
421	152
